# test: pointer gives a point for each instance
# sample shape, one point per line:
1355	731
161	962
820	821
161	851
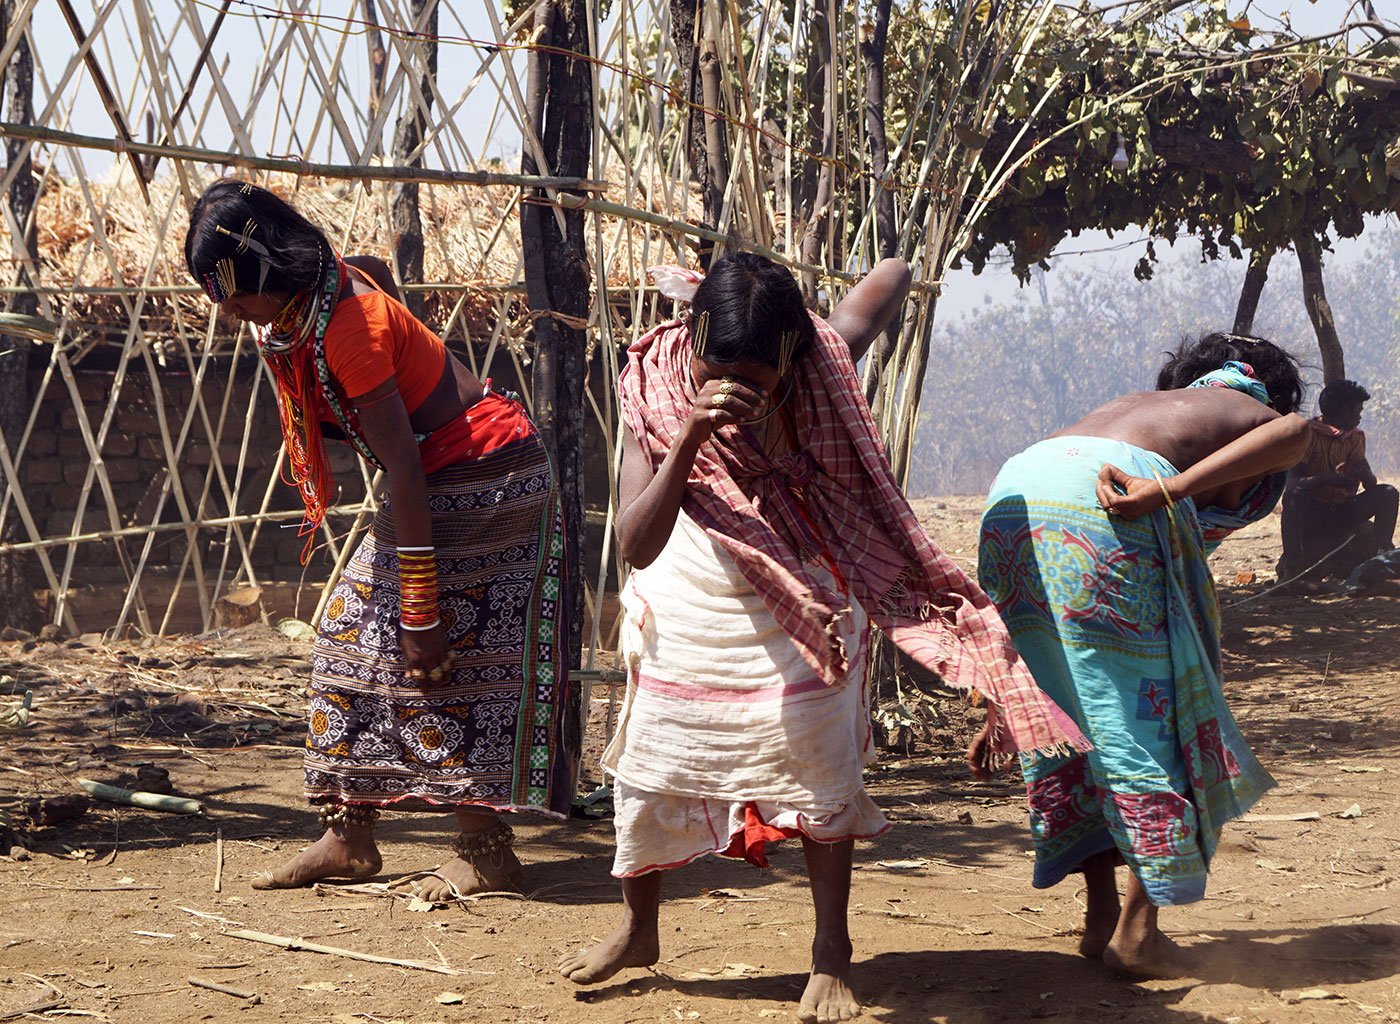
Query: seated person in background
1321	506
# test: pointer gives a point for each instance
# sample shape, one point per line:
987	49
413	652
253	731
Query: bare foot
499	872
340	853
1097	933
1159	957
626	947
828	996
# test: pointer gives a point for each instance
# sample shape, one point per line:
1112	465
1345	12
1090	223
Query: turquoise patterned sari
1119	623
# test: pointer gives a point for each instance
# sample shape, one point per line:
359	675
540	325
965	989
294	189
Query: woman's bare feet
499	872
1157	957
1098	932
485	861
630	946
828	996
343	852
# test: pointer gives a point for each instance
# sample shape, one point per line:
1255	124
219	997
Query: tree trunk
716	139
872	50
1319	309
406	222
559	107
378	64
17	606
824	29
1254	280
685	20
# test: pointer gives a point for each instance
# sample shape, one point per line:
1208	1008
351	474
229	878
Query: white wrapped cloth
724	723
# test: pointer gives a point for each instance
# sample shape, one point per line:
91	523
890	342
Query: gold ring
726	387
437	675
718	401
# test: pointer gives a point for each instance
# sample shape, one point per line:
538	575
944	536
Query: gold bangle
1165	493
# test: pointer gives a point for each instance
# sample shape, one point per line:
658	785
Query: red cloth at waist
491	423
751	844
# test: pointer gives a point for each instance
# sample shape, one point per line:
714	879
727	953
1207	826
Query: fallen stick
22	1011
1300	816
313	947
219	860
96	888
136	798
237	993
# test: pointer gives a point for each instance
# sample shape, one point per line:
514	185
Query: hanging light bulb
1120	153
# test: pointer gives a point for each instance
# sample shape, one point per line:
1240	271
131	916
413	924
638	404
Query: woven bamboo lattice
139	379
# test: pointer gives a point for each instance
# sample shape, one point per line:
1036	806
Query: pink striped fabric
929	607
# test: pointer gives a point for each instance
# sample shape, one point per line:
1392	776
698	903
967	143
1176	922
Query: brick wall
56	463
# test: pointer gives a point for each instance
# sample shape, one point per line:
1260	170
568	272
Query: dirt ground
118	908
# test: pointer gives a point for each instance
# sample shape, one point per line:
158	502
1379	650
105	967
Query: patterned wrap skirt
1118	622
504	730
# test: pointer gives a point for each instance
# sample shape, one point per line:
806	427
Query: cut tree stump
240	607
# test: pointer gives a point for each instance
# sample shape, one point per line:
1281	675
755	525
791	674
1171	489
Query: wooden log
240	607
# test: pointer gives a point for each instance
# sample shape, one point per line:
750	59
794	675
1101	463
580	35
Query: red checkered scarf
852	509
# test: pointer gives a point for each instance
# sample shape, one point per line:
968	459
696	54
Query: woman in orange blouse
436	680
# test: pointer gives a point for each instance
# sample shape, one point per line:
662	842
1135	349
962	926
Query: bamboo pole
301	168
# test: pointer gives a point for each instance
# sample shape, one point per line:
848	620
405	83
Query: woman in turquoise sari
1093	548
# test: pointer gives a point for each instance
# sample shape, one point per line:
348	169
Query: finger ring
415	674
718	401
438	674
726	387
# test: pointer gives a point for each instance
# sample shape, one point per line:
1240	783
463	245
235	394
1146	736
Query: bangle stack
418	588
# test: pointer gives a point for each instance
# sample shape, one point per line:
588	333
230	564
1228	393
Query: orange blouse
373	337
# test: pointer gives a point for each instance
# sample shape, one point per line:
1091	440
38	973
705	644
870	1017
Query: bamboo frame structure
109	266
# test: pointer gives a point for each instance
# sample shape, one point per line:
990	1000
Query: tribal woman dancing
766	532
1094	547
437	680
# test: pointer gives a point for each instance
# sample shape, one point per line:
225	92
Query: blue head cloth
1238	377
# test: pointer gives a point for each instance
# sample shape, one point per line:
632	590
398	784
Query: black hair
1275	368
1341	395
296	248
749	303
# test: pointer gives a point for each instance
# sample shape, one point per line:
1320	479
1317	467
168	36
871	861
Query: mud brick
119	445
123	469
42	441
138	419
68	418
43	471
71	446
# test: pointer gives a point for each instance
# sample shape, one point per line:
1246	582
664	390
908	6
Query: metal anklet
355	815
488	842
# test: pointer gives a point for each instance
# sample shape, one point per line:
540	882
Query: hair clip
787	345
246	242
247	188
225	275
699	333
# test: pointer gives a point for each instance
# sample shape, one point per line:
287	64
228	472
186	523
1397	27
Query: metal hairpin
700	333
247	243
787	345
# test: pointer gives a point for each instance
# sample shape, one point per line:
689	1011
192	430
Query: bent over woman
1094	547
438	682
766	533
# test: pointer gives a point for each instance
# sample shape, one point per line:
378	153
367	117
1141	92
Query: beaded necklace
294	347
